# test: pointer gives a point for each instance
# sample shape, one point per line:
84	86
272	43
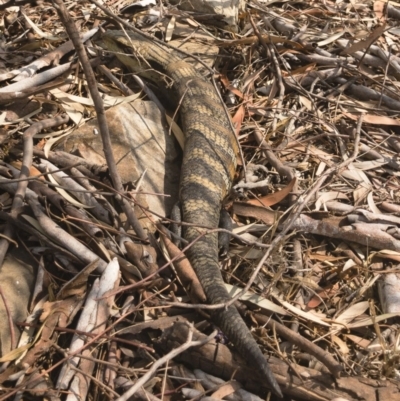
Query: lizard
208	168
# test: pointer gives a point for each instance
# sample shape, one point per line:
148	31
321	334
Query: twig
19	196
100	112
323	356
298	207
53	231
188	344
270	52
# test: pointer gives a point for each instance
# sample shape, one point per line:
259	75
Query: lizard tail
201	199
203	256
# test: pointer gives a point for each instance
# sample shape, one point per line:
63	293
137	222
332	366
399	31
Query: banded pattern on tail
209	164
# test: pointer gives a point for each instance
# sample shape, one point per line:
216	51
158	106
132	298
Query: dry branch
300	382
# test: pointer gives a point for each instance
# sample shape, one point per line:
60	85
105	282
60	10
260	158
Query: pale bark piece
16	283
229	10
389	293
141	146
93	320
36	80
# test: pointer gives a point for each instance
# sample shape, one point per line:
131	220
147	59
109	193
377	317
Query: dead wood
296	380
312	89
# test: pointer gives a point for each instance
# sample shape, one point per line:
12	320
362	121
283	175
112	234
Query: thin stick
188	344
100	112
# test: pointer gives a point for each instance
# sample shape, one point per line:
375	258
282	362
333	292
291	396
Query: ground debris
313	92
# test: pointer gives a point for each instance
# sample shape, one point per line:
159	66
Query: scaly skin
209	164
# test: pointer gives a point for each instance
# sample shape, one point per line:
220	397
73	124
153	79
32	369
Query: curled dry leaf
273	199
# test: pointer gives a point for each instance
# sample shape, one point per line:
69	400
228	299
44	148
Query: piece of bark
304	383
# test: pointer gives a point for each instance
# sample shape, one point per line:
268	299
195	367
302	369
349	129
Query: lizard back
208	168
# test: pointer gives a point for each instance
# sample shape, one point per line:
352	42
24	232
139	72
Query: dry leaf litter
92	310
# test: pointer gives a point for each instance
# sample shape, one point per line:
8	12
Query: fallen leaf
365	43
326	293
228	86
238	118
385	254
379	10
344	349
361	342
225	390
352	312
14	354
273	199
269	217
255	299
373	119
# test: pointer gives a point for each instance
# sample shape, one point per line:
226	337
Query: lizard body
208	168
